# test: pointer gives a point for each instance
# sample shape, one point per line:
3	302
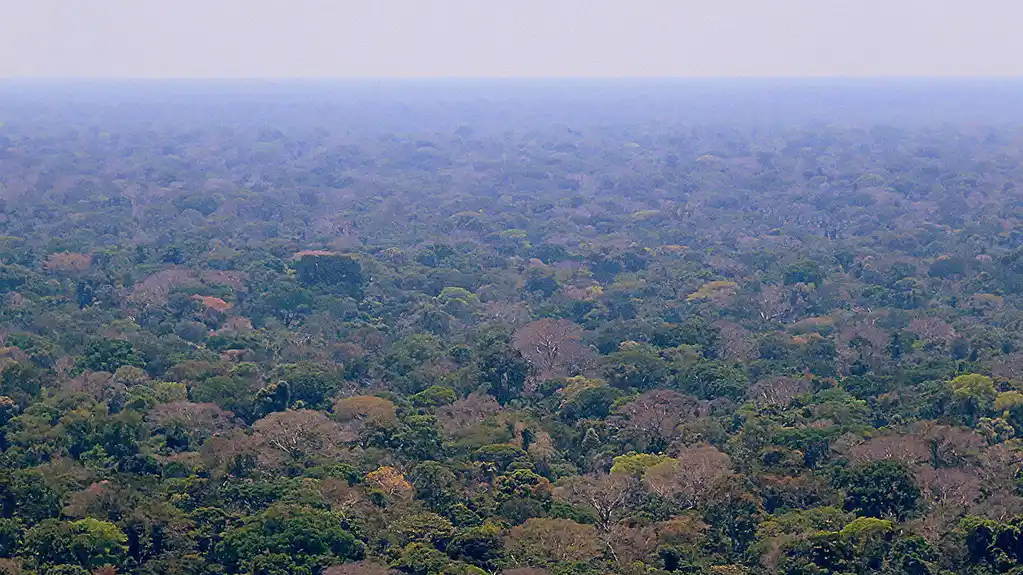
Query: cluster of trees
276	344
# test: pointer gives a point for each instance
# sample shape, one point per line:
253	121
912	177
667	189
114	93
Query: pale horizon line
882	77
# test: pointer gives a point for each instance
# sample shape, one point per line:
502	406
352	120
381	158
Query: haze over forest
533	288
525	327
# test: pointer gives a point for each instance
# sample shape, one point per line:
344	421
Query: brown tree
686	531
102	499
1000	466
773	303
609	495
507	312
553	346
865	344
932	329
295	436
778	391
651	421
544	541
947	487
98	385
907	450
688	477
157	287
952	446
737	343
630	544
361	410
1007	366
199	421
10	567
67	262
542	448
467	412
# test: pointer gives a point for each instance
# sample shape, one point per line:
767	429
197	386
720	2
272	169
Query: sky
509	38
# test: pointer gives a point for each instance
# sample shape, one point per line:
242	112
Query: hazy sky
468	38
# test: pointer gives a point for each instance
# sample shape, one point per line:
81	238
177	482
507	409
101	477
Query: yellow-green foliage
167	391
973	386
1008	400
637	463
812	325
864	527
458	294
514	233
713	289
643	215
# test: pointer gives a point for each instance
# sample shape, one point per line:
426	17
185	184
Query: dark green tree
105	354
337	272
881	489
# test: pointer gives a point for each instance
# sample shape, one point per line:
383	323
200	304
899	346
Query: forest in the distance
446	329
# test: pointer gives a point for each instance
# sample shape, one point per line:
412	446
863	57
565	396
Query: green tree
419	438
499	455
881	489
28	495
713	380
338	272
90	543
591	403
422	559
11	534
504	371
97	543
286	301
105	354
481	546
974	395
311	383
428	528
275	564
434	396
22	382
805	272
306	534
434	484
635	367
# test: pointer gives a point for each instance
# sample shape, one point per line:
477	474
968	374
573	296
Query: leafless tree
778	391
553	346
907	450
156	288
737	342
955	488
467	412
200	421
99	385
687	478
773	303
554	540
651	421
295	435
932	329
608	494
67	262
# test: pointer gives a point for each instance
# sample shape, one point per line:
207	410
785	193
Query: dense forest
455	330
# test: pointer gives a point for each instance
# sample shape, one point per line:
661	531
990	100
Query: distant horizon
512	79
393	103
